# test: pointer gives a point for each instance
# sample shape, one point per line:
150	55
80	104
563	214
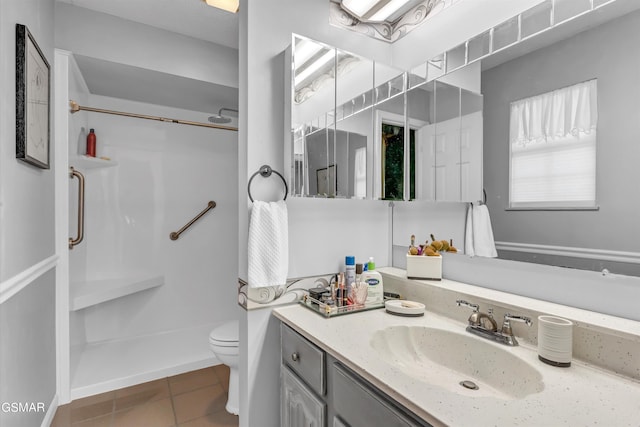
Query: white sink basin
444	359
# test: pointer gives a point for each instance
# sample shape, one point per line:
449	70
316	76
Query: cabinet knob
295	356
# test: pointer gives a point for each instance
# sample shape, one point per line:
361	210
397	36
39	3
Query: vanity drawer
304	358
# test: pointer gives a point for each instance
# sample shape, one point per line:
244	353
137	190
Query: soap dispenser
373	279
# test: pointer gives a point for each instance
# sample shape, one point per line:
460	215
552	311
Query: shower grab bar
74	173
176	234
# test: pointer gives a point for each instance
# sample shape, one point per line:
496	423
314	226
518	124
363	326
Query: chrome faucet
484	325
507	333
479	319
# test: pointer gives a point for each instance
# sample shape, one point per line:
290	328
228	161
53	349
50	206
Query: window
393	162
553	149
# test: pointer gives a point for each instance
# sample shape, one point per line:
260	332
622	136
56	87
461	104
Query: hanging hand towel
468	233
268	244
483	243
478	239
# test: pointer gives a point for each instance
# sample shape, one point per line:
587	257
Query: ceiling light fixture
387	10
387	20
313	67
359	7
305	50
373	10
228	5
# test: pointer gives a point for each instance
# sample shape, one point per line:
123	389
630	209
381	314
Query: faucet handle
474	307
506	325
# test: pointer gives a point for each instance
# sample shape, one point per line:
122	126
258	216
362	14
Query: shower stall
156	267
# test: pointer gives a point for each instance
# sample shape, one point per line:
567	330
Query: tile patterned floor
193	399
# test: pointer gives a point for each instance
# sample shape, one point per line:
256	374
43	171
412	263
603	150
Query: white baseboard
51	412
602	254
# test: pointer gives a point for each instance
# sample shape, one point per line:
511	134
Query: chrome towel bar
176	234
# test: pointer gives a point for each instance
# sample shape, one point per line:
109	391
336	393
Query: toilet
223	341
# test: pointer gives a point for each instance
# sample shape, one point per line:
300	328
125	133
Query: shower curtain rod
75	108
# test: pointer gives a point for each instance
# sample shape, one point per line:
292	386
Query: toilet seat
223	344
226	332
225	337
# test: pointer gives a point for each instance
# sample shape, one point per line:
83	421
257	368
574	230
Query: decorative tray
327	310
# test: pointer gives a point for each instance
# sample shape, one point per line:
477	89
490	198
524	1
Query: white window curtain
568	111
553	148
360	167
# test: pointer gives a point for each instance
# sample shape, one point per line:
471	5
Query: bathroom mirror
601	45
389	137
353	130
357	132
446	114
313	69
331	121
552	45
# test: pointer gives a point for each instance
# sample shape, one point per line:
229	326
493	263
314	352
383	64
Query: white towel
268	244
468	233
478	239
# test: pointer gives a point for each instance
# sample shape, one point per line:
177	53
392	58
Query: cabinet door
300	406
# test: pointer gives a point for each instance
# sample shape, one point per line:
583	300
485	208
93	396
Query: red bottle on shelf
91	143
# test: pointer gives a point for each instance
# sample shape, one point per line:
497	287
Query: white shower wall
166	174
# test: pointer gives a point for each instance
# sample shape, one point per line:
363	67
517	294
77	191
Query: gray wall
27	319
27	351
610	54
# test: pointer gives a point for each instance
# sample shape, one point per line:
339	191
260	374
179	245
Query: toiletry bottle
334	289
345	298
373	279
350	273
91	143
356	284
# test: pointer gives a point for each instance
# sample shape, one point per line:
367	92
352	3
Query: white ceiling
188	17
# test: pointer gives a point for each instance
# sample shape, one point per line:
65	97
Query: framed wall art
32	100
326	181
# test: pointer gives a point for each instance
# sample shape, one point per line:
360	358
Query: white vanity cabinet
359	404
319	391
303	385
300	406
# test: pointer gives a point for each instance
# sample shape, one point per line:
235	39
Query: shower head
219	118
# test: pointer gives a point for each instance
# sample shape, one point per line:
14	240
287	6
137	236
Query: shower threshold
106	366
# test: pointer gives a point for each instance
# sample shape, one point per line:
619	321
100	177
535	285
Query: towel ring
265	171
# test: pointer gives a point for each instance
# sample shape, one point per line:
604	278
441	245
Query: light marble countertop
581	395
